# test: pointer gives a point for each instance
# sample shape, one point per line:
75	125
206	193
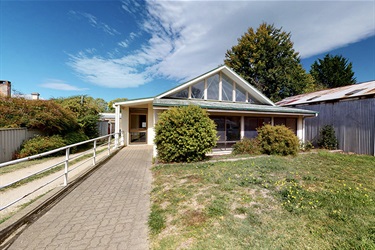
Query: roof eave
136	101
242	110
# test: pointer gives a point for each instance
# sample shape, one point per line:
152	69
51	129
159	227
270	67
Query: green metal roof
232	106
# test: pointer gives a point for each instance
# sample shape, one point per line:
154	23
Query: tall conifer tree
332	71
266	59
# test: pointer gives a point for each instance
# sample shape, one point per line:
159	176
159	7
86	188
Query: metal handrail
66	169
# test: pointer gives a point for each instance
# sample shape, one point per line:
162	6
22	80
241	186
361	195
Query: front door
138	128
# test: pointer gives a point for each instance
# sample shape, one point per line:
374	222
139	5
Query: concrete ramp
108	210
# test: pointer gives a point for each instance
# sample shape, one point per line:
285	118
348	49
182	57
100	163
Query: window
213	87
227	88
240	94
228	128
197	90
230	91
354	92
182	94
288	122
252	123
233	128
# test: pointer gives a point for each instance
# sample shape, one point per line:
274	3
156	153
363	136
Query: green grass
311	201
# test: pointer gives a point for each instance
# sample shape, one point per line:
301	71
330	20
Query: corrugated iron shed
346	92
350	110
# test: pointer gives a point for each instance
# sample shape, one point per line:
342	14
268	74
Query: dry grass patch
316	201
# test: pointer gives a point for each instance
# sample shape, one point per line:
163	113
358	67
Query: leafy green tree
266	59
102	105
86	110
333	71
110	103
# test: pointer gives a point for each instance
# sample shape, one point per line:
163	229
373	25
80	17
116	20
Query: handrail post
109	144
66	166
94	154
122	139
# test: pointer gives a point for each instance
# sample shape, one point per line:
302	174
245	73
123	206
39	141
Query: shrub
89	125
42	115
306	146
184	134
246	146
40	144
278	140
327	138
75	137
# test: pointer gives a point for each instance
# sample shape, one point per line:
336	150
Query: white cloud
187	38
93	21
123	44
111	73
60	85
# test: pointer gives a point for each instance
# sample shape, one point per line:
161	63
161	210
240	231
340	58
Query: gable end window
217	87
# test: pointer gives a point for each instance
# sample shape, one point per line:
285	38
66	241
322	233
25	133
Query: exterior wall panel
353	120
11	140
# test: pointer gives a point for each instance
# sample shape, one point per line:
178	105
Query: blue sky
112	49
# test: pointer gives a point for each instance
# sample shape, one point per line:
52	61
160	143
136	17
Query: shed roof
346	92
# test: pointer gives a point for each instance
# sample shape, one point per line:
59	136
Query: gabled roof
256	94
265	106
346	92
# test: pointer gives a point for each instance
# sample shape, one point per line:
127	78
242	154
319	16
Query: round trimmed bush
277	140
184	134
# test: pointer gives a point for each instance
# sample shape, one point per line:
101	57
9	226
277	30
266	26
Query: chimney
35	96
5	88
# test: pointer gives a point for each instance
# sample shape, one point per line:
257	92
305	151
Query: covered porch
234	121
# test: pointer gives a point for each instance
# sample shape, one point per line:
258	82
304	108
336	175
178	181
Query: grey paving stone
109	210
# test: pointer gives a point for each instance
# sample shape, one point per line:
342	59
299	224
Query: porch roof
231	106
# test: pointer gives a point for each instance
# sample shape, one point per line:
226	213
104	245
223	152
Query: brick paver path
109	210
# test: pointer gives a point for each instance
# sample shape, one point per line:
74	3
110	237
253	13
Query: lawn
311	201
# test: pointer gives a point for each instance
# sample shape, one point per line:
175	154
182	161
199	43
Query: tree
102	105
86	110
333	71
110	104
266	59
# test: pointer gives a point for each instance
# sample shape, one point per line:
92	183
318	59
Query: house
351	111
236	107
